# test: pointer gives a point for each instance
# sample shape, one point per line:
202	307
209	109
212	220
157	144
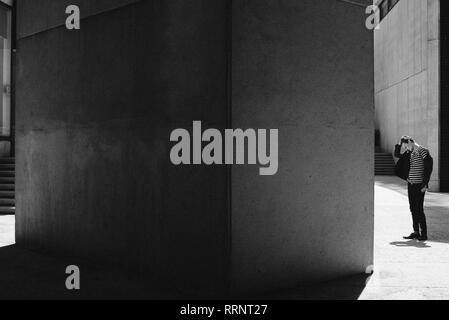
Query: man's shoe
422	238
413	236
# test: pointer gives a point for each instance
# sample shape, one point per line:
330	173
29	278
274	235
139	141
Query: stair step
7	194
7	210
7	186
7	160
7	166
384	164
7	174
7	180
7	202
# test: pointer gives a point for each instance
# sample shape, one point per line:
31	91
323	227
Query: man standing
415	166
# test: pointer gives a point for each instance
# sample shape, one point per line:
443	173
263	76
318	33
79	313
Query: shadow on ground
26	275
348	288
411	243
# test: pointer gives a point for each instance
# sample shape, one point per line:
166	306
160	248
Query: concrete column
305	68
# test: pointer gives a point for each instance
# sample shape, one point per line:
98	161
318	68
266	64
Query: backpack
428	166
402	167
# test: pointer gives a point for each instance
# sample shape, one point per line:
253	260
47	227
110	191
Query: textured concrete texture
406	55
95	109
305	68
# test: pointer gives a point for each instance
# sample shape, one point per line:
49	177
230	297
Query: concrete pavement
7	230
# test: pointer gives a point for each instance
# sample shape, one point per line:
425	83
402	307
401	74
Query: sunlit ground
408	269
7	230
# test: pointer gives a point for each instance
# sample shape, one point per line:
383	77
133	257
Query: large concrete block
95	109
313	81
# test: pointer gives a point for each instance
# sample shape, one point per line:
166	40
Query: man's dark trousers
416	200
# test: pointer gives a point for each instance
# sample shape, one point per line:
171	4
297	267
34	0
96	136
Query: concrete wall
95	109
406	51
305	68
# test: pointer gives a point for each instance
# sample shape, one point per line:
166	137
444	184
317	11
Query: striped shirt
416	174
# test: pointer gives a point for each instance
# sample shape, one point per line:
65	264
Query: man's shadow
410	243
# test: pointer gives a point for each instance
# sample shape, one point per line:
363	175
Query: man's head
408	142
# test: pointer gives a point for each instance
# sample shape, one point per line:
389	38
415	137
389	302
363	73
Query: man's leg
421	215
413	203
